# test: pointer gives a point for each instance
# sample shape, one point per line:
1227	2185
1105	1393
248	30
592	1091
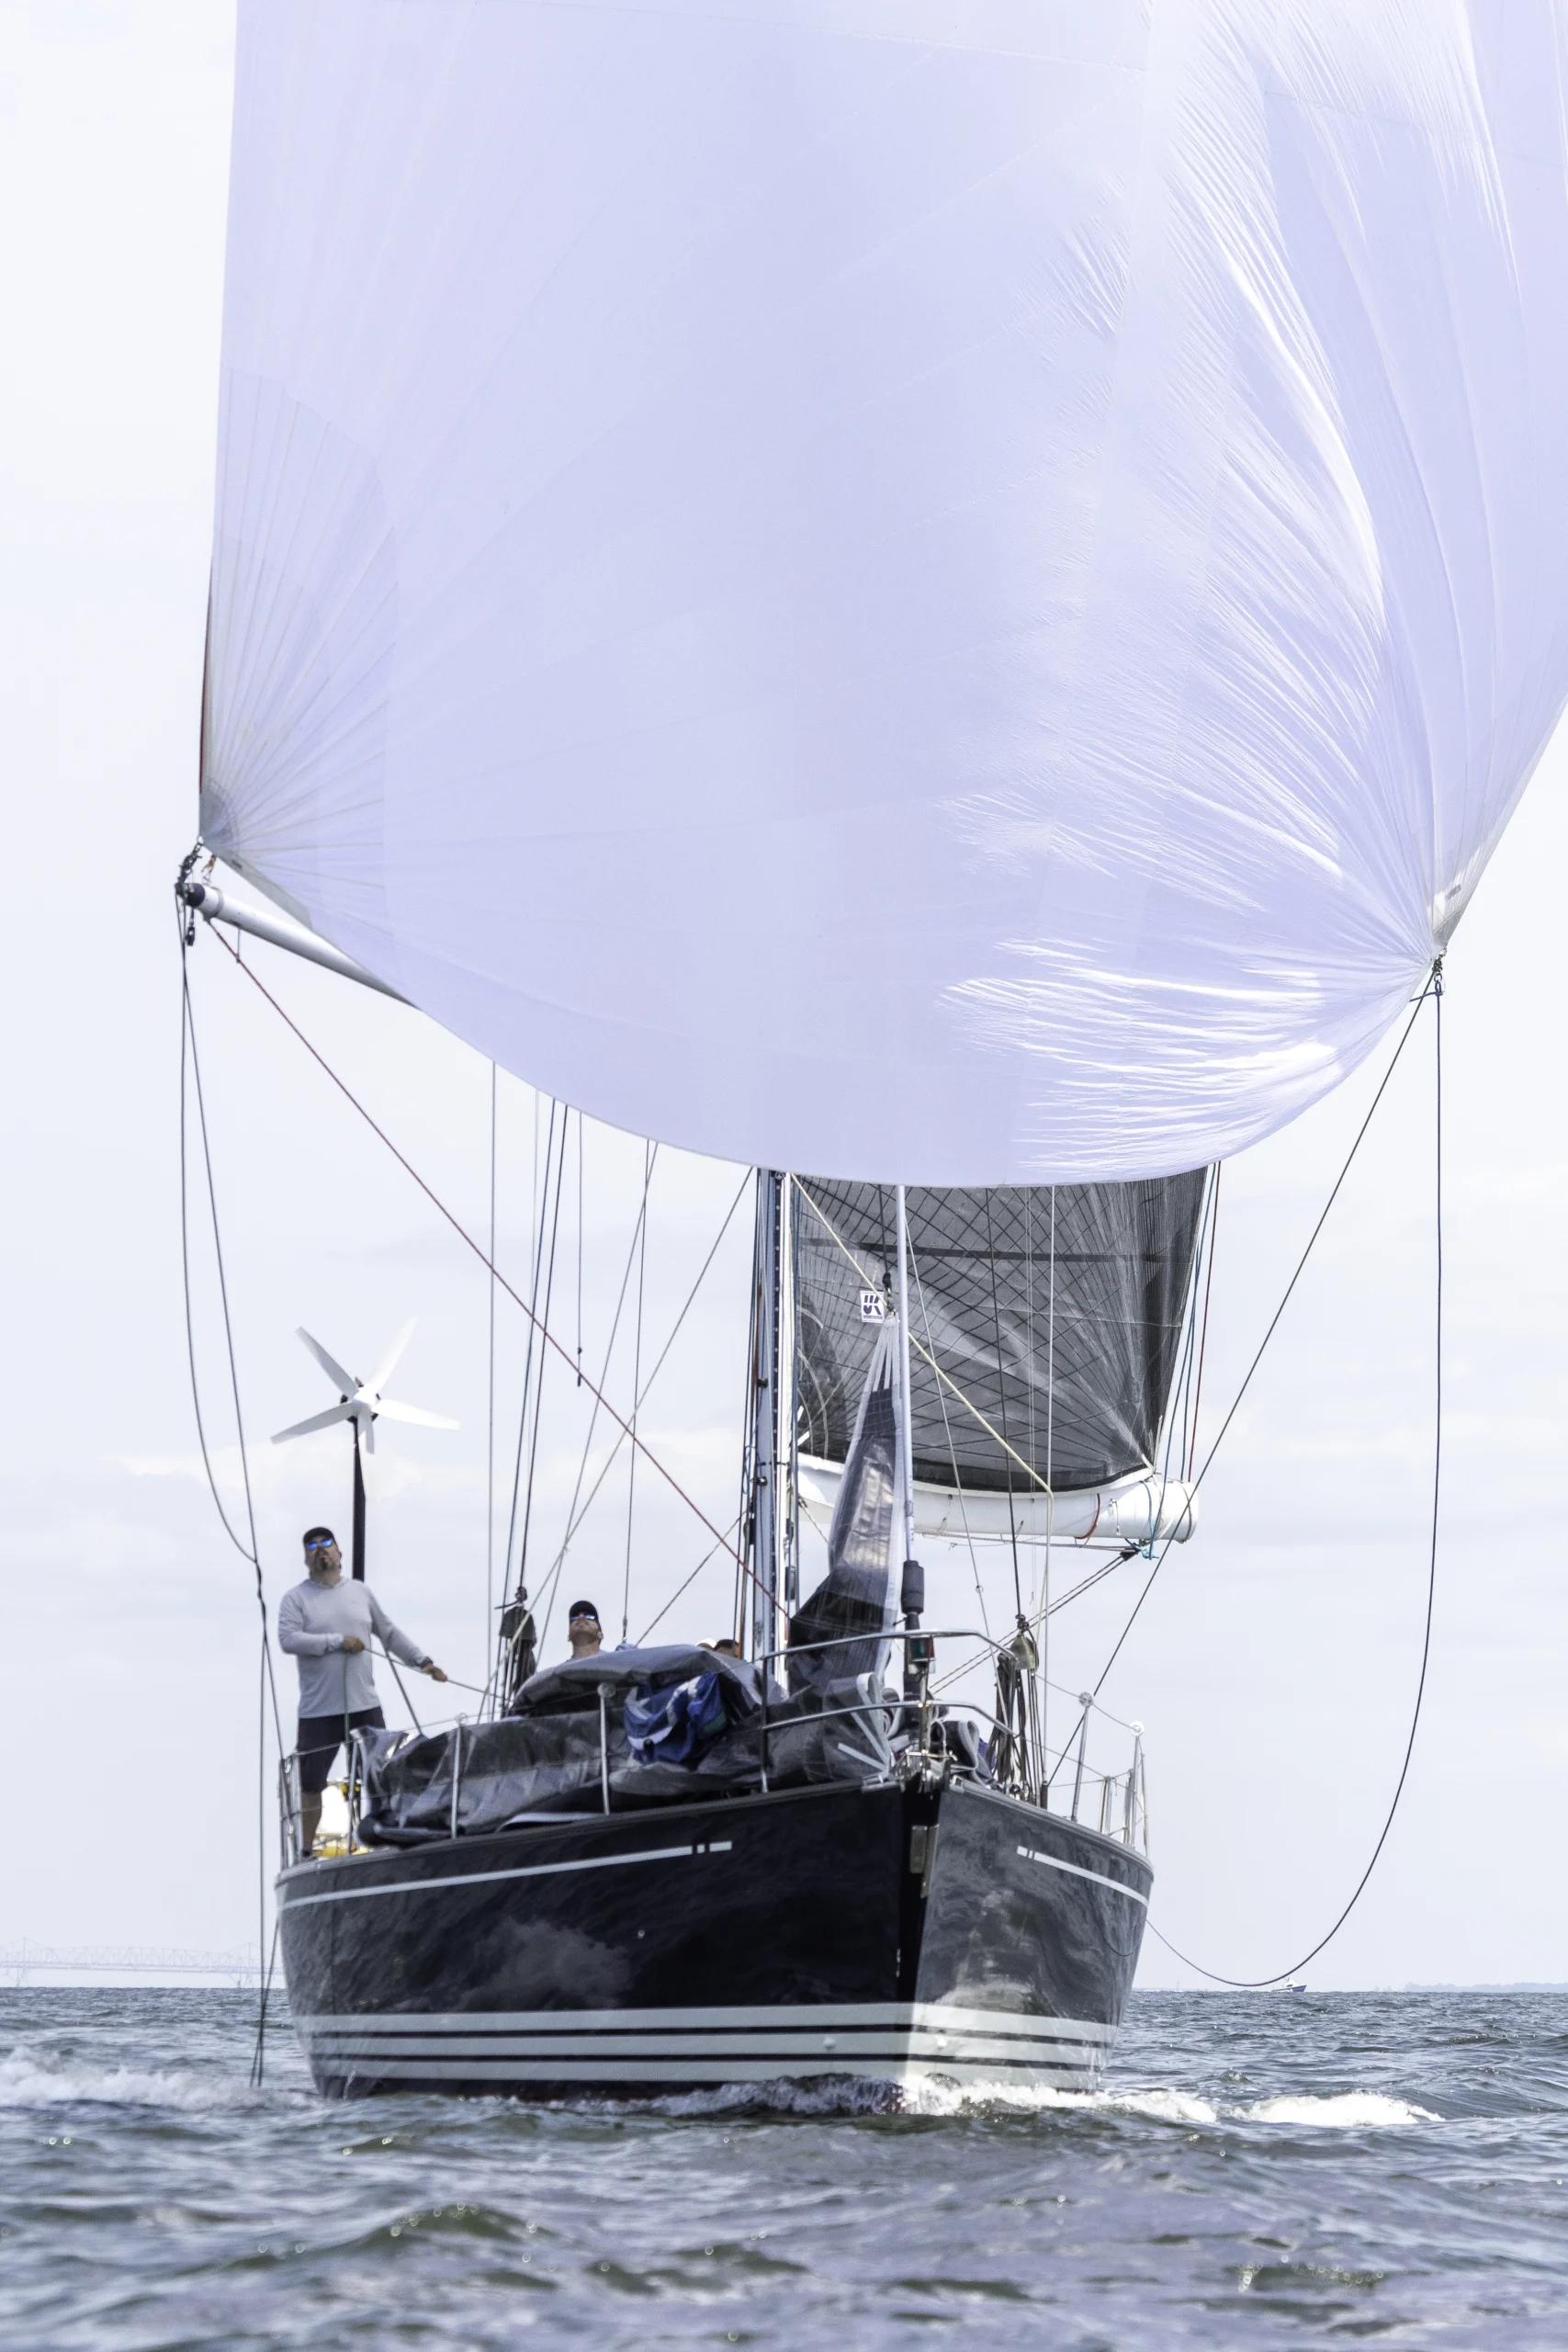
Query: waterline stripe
1064	2058
812	2017
675	2072
1077	1870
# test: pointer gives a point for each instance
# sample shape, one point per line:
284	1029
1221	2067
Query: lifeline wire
1255	1984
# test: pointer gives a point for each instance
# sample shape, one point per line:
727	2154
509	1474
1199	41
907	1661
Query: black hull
880	1932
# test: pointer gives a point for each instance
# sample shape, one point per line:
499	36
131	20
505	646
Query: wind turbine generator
361	1404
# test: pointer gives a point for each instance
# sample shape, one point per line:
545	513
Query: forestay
957	593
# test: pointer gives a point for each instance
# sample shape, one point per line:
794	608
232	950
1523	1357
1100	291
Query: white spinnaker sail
950	592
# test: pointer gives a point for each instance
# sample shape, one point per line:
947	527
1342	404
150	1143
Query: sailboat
947	607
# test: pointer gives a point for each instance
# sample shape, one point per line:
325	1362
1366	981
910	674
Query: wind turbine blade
317	1421
367	1432
392	1411
384	1369
333	1370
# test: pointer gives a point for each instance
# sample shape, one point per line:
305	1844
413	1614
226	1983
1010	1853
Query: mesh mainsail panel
1084	1287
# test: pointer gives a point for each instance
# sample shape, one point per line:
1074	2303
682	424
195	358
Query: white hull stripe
887	2041
458	2058
488	1877
928	2017
676	2071
1075	1870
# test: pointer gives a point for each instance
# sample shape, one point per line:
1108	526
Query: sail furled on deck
1045	524
1056	1313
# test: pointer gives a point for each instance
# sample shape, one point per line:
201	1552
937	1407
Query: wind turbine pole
358	1507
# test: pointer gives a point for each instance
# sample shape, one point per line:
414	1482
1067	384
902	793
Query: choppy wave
1347	2110
1248	2173
31	2082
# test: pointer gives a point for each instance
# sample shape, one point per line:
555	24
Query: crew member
327	1626
583	1630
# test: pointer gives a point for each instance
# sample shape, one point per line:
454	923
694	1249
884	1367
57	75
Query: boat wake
29	2082
1342	2110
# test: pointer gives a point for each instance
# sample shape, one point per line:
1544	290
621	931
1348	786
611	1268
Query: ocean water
1262	2169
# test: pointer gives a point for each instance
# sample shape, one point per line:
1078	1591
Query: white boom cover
944	589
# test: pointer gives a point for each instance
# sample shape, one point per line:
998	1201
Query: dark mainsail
1055	1310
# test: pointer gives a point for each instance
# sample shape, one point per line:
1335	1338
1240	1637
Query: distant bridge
19	1961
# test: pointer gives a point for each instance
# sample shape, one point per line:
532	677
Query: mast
906	1451
786	1391
912	1585
763	1498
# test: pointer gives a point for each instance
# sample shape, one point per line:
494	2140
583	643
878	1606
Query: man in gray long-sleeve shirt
326	1624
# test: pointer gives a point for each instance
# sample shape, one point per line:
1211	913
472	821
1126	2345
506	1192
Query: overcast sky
1274	1665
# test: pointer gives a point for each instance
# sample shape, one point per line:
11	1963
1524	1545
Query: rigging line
1208	1287
464	1235
947	1382
489	1450
246	1552
408	1702
745	1514
575	1517
1197	1296
548	1586
1191	1317
1002	1393
1106	1568
452	1680
953	1456
260	1865
268	1686
1045	1617
636	1382
1255	1983
535	1253
710	1554
258	2060
1181	1389
188	1037
539	1386
1434	984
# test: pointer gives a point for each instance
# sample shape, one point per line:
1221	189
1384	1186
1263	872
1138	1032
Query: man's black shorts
320	1736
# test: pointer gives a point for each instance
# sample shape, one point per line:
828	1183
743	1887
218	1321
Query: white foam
28	2082
842	2094
1344	2110
1348	2111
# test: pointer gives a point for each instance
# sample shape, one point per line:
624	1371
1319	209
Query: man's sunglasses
320	1543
